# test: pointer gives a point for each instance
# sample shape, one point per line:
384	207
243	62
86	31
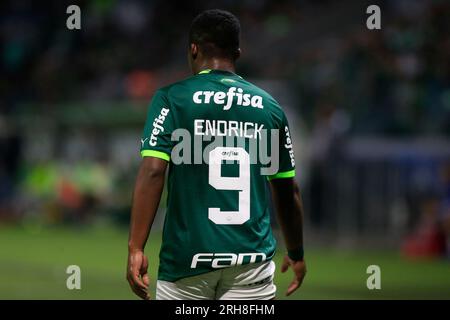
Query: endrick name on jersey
223	260
205	127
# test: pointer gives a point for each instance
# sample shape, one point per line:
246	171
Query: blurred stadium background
370	111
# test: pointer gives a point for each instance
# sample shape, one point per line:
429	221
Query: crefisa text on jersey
158	126
226	99
288	145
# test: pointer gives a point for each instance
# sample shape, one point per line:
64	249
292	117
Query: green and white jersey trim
282	175
155	154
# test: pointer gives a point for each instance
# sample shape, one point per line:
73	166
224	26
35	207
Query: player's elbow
153	173
152	168
296	188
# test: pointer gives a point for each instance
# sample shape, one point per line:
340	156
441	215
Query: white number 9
240	183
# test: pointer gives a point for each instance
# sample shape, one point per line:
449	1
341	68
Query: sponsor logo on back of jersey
223	260
233	95
158	126
288	146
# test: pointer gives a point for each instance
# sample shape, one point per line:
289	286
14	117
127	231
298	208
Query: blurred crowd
392	81
347	81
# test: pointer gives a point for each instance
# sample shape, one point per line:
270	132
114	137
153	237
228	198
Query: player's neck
217	64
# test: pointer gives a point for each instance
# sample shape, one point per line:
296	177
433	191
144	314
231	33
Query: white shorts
247	282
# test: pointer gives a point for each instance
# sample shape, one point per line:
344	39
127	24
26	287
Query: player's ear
194	51
237	53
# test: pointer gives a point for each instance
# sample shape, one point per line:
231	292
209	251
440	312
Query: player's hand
299	268
137	275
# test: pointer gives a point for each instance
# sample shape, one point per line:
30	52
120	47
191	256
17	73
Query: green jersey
217	206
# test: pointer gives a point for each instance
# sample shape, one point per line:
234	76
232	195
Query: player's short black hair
217	33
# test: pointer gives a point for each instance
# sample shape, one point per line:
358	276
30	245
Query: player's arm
146	197
289	212
288	203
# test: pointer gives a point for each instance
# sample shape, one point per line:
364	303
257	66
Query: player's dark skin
149	186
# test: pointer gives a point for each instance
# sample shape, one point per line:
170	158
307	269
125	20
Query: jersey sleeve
285	151
156	137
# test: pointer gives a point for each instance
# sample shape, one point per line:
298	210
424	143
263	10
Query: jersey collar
206	71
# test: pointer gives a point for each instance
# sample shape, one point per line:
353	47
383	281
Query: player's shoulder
257	90
271	105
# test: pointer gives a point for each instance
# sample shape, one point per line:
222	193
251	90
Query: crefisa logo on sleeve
158	126
288	145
